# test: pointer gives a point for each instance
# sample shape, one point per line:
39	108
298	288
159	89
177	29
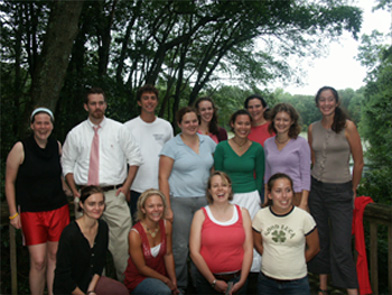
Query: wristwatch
213	283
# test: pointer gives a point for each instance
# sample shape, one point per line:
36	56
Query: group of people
197	194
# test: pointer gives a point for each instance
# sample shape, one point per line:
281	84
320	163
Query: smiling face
189	123
206	110
256	110
93	206
282	122
241	126
148	102
281	195
96	107
153	208
42	126
219	189
327	103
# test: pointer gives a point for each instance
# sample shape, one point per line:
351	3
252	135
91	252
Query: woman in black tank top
35	196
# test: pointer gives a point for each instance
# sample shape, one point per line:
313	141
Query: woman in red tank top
150	267
221	241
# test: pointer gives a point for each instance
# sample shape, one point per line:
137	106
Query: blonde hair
226	179
143	198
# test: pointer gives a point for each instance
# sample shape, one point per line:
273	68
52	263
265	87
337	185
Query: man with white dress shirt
96	152
151	133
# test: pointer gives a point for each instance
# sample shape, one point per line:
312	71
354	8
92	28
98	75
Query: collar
180	142
102	124
281	215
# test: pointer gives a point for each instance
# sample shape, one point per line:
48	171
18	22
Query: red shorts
41	227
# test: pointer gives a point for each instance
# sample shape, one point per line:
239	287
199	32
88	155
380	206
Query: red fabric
222	246
260	133
357	230
41	227
132	275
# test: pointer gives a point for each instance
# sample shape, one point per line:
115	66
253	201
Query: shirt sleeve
219	156
256	223
267	172
130	147
169	149
63	272
304	162
69	154
259	167
211	144
309	223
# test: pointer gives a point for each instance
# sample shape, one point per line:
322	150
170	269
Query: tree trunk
50	72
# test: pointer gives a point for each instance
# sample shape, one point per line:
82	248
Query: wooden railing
374	214
378	214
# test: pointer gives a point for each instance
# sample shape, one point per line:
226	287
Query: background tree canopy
53	50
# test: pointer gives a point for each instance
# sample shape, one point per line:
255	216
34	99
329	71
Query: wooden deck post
13	261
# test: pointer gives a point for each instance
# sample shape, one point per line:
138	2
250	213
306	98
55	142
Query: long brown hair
340	117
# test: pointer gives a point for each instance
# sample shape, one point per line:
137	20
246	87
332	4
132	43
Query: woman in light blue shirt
184	167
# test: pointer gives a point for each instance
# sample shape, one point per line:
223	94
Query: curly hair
146	88
295	128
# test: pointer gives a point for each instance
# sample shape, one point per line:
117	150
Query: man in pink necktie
97	152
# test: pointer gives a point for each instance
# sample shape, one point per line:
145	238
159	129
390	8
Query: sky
339	68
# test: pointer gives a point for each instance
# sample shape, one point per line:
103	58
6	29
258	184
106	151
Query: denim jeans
268	286
152	286
204	287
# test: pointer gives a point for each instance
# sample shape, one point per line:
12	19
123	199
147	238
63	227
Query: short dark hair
295	128
225	178
147	88
253	96
181	112
236	114
94	90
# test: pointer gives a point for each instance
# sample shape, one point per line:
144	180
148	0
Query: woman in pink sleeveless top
221	241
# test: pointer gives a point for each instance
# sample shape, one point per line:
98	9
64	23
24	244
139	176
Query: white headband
39	110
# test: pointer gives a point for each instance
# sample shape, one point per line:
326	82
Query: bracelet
89	292
213	283
14	216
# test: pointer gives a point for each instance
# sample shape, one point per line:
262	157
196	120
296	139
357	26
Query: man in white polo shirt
96	152
151	133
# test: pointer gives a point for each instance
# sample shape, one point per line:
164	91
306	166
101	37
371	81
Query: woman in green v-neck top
243	160
241	169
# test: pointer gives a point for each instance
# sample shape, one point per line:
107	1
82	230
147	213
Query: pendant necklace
239	145
154	232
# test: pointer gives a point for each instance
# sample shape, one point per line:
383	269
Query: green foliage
376	128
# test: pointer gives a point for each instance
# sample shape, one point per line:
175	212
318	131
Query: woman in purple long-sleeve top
288	153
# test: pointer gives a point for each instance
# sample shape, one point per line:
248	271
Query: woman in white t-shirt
286	237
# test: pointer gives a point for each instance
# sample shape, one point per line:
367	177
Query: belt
107	187
280	281
227	277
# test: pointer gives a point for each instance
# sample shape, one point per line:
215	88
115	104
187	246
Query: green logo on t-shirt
278	236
